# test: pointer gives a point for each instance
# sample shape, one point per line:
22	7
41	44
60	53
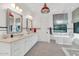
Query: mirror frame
7	20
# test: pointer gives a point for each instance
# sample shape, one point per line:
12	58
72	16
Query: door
44	25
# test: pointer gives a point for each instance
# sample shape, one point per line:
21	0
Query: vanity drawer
4	49
5	52
4	45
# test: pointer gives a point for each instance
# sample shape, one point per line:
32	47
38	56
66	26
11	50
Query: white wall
3	18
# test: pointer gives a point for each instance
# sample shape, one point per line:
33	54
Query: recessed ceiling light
20	10
17	8
13	5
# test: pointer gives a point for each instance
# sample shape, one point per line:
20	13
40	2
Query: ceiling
46	19
54	7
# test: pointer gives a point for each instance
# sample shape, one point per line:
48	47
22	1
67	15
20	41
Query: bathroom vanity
21	42
18	45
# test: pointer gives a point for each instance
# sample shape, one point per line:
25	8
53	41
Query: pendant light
45	9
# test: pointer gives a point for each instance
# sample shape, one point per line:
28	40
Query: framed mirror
29	24
14	21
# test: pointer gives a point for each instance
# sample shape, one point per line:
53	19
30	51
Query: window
76	27
60	23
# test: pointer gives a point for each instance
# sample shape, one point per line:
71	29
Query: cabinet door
18	48
30	42
27	44
34	39
4	49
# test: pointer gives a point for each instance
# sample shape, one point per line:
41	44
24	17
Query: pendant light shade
45	9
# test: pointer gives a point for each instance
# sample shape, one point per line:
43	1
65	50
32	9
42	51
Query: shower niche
14	21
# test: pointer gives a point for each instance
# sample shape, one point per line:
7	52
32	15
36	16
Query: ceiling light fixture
13	5
45	9
17	7
20	10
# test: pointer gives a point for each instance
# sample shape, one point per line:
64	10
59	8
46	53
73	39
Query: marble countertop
15	38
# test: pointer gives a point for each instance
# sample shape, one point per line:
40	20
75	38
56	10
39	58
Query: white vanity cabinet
21	47
4	49
18	47
30	42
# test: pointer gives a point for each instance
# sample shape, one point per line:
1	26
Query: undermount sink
18	35
4	36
